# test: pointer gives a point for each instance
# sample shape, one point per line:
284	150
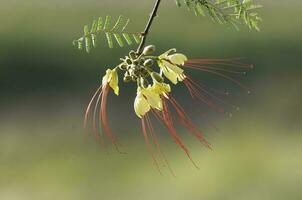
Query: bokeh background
45	84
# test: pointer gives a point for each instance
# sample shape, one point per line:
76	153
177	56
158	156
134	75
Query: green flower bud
136	62
148	63
123	66
144	72
141	61
149	50
128	61
144	82
127	79
132	67
136	72
157	77
132	55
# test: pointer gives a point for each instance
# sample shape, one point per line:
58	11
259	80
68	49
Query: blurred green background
45	84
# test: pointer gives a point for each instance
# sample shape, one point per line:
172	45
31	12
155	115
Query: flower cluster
139	69
154	76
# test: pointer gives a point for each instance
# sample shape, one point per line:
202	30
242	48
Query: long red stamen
95	127
104	119
86	117
149	146
155	139
232	62
168	121
200	67
187	122
97	134
223	76
196	94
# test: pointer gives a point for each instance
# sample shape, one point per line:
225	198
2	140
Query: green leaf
136	38
109	40
231	12
87	39
127	38
100	24
107	22
119	39
116	32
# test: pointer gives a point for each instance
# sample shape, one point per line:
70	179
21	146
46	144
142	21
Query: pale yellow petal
172	76
178	58
114	82
106	77
165	55
141	105
161	88
172	67
111	78
153	98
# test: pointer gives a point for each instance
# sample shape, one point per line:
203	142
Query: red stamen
97	134
89	106
200	67
196	94
233	62
187	122
104	119
168	121
149	147
154	136
95	128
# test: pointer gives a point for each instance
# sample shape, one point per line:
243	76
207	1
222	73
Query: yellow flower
111	77
169	65
146	99
161	88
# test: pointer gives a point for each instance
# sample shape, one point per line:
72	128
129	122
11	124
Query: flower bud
136	62
136	72
157	77
128	61
141	61
144	82
144	72
132	55
149	50
127	78
148	63
123	66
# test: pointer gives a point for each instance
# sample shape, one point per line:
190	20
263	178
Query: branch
148	26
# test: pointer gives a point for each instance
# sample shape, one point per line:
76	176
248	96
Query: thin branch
148	26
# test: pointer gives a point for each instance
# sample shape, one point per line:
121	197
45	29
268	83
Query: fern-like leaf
231	12
113	33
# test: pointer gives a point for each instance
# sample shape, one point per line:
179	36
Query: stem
148	26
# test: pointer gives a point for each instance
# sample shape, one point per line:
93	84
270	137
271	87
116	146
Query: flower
146	99
169	65
111	77
158	99
161	88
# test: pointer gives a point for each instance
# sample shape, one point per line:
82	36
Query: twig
146	31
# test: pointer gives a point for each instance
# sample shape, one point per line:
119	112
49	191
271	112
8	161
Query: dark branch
148	26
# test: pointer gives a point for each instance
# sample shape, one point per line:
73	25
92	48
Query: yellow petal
172	72
172	67
111	77
161	88
153	98
114	82
141	105
172	76
178	58
165	55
